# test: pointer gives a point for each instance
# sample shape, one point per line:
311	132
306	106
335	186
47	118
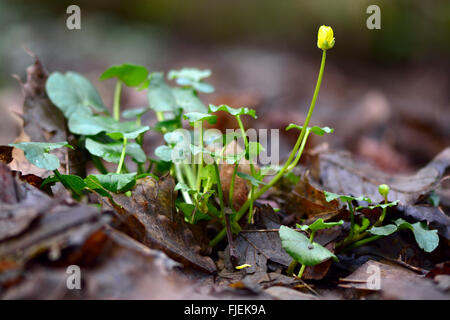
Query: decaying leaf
6	154
341	174
257	248
150	217
44	122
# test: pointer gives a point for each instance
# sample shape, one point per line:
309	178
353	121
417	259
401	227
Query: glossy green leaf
114	182
111	152
319	224
198	116
192	74
315	129
330	196
381	205
427	239
134	113
164	153
160	95
37	153
233	111
85	123
188	101
74	182
384	230
130	74
71	92
298	246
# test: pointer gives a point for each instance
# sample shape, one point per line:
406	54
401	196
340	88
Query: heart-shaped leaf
85	123
112	151
130	74
198	116
233	111
71	92
330	196
427	239
301	249
37	153
188	101
134	113
114	182
315	129
160	95
319	224
384	230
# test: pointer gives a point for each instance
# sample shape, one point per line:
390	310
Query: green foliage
190	77
131	75
114	182
111	151
72	181
193	117
319	224
299	247
134	113
330	196
316	130
38	154
233	111
427	239
72	92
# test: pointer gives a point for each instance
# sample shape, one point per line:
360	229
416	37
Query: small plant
361	234
303	249
190	156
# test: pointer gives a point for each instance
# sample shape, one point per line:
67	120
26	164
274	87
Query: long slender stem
199	124
116	105
233	178
122	156
179	176
299	153
219	189
280	174
291	267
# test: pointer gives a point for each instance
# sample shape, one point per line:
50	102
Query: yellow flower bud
325	38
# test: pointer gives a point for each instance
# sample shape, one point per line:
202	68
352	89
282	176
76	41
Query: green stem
302	269
179	175
219	189
250	211
199	124
116	105
280	174
361	242
352	222
189	174
233	178
122	156
291	267
299	153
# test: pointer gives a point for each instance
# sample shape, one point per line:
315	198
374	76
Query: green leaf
384	230
176	137
72	92
319	224
130	74
330	196
190	77
427	239
114	182
315	129
85	123
381	205
434	199
188	101
299	247
134	113
37	153
182	186
111	152
160	95
167	125
198	116
188	209
73	181
192	74
233	111
255	182
164	153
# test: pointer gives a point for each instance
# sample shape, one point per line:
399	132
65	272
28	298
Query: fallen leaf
341	174
6	154
150	217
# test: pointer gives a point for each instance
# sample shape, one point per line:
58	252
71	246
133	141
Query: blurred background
386	92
